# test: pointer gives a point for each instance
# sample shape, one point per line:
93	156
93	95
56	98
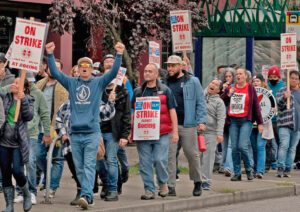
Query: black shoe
104	192
249	175
287	172
125	176
279	172
236	178
120	184
1	189
111	196
75	201
172	192
197	189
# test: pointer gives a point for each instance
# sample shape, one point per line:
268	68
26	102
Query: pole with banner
154	53
27	49
119	78
288	56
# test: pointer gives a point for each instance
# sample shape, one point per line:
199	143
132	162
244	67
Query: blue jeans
227	152
287	147
122	156
84	152
240	131
0	179
10	163
153	154
259	151
274	152
57	166
111	167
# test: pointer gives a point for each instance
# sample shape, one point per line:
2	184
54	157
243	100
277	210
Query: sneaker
227	173
18	199
280	172
83	202
172	192
287	172
111	196
177	178
221	170
236	178
148	195
104	192
33	199
163	190
206	186
259	175
249	175
197	189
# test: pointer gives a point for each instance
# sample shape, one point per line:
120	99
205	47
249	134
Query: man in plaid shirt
62	127
288	124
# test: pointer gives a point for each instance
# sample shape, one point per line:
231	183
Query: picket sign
288	57
119	78
181	29
154	53
26	51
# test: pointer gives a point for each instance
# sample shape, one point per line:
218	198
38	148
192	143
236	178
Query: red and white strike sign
288	51
154	53
28	44
181	28
120	77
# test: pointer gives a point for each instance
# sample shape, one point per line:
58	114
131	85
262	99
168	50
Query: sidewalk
223	192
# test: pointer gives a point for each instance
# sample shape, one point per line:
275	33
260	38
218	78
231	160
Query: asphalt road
287	204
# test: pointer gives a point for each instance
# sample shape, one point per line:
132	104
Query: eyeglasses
85	65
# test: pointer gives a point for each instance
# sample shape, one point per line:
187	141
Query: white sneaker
33	199
51	193
18	199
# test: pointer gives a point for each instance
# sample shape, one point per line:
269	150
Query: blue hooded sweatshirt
274	90
85	96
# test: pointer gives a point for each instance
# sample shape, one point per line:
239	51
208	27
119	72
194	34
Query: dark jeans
10	162
71	165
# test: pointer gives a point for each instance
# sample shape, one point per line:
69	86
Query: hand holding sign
287	94
50	47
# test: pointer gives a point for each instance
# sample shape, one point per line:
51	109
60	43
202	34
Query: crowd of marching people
93	120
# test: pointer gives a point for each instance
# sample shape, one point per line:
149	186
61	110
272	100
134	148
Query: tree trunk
126	57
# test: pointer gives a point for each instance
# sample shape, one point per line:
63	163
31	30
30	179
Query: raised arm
57	74
109	76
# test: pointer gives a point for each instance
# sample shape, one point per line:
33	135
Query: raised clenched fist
119	48
50	47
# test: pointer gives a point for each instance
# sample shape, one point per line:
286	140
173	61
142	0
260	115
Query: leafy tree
133	22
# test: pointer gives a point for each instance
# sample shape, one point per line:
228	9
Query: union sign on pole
154	53
288	51
181	28
28	44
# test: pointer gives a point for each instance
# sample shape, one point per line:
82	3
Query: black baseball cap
108	56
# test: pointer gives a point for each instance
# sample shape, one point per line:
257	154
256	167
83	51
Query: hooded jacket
7	79
21	130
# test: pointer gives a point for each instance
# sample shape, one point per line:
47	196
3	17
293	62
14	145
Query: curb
194	203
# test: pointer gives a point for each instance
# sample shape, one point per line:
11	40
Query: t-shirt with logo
239	102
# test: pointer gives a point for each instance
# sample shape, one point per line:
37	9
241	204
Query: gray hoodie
7	79
216	114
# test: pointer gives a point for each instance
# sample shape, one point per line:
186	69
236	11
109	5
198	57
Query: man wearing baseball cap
85	94
275	84
191	113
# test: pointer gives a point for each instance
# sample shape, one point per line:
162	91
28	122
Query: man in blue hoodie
275	84
85	94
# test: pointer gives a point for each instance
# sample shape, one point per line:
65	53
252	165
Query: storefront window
221	51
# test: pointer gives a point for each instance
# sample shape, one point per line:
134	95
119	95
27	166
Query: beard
174	77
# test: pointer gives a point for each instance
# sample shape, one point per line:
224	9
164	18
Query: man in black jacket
115	133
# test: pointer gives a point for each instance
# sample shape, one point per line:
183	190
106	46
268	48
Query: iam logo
83	93
26	53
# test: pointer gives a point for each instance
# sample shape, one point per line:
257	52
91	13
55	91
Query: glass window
266	53
221	51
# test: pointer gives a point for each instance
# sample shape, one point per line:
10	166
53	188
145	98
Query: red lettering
17	39
180	18
30	30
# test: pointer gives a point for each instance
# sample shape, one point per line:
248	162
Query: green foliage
256	18
135	169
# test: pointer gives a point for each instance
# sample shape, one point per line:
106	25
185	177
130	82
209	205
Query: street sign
181	28
288	51
154	53
293	24
28	45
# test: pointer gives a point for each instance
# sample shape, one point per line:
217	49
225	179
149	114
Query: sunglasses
85	65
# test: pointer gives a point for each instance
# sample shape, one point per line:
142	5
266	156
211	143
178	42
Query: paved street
134	188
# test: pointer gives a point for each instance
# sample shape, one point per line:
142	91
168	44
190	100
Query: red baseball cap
274	70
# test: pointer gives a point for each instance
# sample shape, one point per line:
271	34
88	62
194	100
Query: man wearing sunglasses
85	94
